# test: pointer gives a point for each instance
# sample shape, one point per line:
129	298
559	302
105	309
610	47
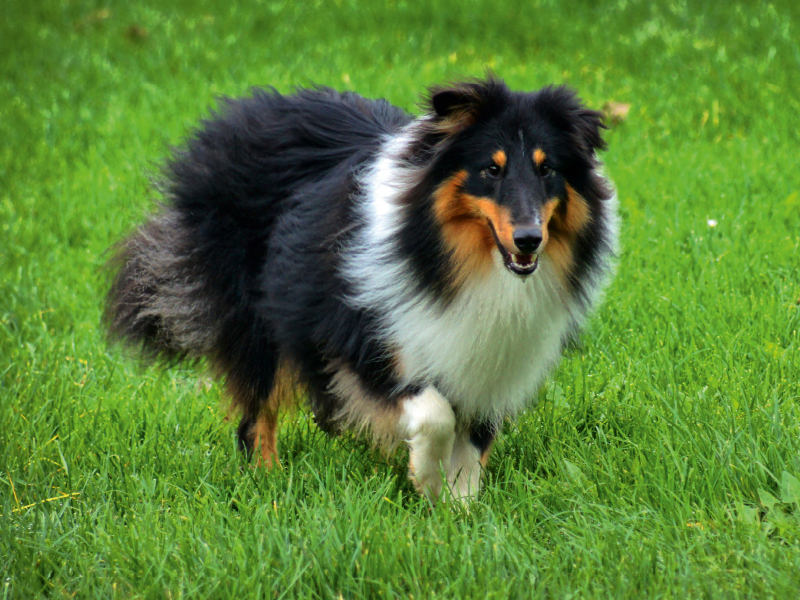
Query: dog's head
513	173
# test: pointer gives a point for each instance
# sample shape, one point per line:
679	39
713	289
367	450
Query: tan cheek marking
448	201
539	156
560	252
462	228
578	215
500	218
563	229
500	159
471	248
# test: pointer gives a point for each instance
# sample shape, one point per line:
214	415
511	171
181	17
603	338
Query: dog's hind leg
265	435
258	429
250	364
259	438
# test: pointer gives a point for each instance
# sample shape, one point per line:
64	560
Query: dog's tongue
523	259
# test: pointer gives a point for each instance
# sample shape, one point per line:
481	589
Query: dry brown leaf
136	33
616	112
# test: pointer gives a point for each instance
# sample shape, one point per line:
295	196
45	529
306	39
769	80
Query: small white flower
712	222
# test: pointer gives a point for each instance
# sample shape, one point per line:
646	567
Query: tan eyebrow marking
500	159
539	156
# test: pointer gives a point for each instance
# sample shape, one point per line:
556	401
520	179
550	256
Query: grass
664	457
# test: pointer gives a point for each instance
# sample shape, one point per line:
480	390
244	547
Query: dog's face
515	172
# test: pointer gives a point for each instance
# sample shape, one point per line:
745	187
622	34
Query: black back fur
268	181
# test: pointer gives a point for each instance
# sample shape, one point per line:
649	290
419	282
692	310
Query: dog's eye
546	171
494	171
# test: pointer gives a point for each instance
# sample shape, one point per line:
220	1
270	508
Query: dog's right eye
494	171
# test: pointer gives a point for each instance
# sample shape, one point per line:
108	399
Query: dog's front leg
466	466
470	454
427	423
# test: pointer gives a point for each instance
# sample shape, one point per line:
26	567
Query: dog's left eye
546	171
494	171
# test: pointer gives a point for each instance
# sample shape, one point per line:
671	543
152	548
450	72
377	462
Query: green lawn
664	458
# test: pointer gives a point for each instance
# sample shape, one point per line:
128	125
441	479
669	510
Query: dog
416	278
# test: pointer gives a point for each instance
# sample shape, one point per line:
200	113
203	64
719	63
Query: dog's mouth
519	264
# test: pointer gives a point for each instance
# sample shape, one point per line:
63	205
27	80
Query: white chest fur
490	349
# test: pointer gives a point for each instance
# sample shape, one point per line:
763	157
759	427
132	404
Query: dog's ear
568	113
467	98
583	129
458	105
588	125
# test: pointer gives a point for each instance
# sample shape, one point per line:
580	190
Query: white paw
464	473
428	425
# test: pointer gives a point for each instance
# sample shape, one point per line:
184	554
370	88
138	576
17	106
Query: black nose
528	239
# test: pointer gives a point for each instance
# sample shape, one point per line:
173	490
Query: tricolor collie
416	278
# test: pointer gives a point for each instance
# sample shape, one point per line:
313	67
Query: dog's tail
157	300
174	297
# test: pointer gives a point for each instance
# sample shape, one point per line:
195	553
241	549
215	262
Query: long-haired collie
415	278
